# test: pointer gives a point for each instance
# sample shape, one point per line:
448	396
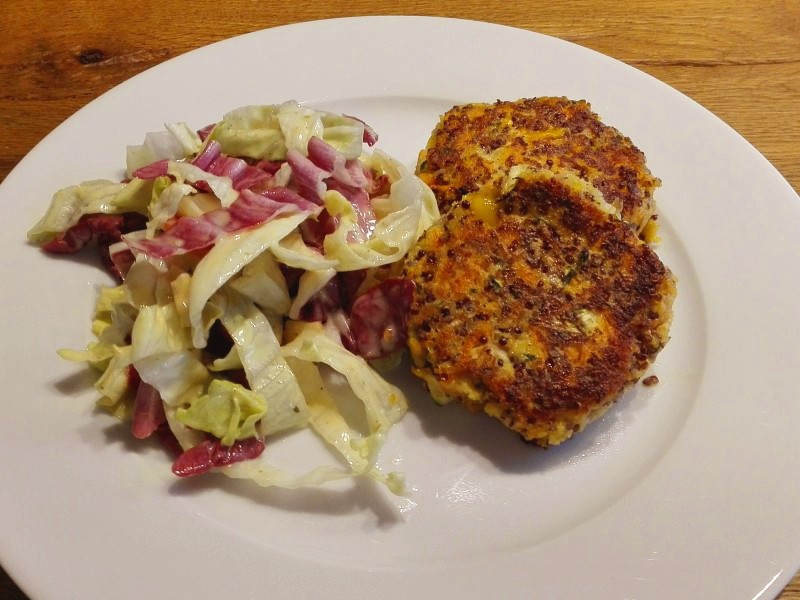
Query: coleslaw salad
257	265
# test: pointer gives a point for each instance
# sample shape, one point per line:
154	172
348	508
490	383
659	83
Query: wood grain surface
738	58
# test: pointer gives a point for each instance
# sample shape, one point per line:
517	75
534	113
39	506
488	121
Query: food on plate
535	302
256	262
538	299
265	263
477	143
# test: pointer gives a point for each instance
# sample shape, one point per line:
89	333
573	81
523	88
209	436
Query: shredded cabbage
215	328
229	256
310	283
263	282
177	142
163	355
90	197
221	186
228	411
384	404
164	207
267	372
267	132
410	209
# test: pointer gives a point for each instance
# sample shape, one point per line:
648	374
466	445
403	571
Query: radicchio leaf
210	453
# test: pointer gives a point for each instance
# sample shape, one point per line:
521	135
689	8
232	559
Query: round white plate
687	489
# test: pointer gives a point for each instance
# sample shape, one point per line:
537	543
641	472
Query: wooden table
739	59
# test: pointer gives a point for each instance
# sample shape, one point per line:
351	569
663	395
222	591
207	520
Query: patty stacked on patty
535	301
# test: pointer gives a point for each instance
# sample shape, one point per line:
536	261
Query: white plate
684	490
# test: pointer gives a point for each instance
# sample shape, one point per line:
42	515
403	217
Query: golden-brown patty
475	143
535	303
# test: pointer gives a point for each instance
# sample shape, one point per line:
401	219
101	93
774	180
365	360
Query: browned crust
499	318
475	143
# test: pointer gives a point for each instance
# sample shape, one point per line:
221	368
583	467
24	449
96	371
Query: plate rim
781	578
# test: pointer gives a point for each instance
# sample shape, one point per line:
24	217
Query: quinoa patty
535	303
476	143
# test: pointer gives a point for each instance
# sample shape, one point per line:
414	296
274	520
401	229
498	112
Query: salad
257	263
